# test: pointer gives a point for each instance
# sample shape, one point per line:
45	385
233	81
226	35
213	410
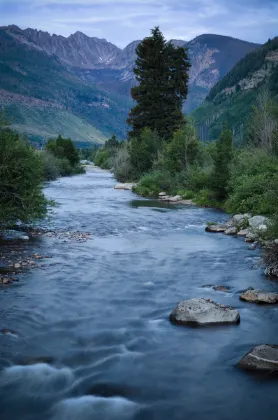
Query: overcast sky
122	21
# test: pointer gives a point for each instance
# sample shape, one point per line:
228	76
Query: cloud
122	21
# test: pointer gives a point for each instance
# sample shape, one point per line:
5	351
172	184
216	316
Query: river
99	312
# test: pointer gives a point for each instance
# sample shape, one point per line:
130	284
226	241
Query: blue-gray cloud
121	21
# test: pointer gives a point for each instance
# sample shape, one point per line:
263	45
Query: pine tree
222	160
161	71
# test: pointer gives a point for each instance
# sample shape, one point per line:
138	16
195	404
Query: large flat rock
262	358
216	228
201	311
126	186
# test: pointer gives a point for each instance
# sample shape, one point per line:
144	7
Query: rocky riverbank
20	250
254	231
252	228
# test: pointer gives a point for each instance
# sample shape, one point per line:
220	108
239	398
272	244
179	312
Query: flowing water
99	314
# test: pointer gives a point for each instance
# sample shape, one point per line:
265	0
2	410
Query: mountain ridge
105	70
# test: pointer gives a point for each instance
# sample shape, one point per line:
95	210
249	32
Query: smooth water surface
99	314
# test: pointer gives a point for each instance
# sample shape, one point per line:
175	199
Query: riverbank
253	229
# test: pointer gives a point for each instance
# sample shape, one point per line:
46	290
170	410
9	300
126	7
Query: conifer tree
161	71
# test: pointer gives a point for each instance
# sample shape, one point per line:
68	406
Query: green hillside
42	97
232	98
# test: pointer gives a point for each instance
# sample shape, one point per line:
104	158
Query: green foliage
207	198
183	150
51	166
152	183
122	165
161	71
104	157
21	175
186	194
254	183
61	158
222	160
63	148
263	124
143	151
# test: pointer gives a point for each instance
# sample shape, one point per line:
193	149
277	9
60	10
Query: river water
99	314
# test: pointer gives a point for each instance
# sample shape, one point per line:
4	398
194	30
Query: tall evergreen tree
161	71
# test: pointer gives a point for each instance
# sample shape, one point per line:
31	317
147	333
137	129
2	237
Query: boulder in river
216	228
261	358
231	231
199	311
259	296
125	186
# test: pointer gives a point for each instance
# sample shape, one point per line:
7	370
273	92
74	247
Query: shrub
183	150
151	184
207	198
186	194
254	183
51	166
63	148
122	165
21	175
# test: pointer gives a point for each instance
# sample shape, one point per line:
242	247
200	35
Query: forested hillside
43	99
232	98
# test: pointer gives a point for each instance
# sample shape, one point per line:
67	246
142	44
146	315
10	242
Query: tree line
163	151
23	170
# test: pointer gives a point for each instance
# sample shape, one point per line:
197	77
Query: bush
63	148
21	176
207	198
183	150
65	167
254	183
151	184
122	165
51	166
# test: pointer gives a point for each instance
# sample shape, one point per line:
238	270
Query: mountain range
232	98
79	86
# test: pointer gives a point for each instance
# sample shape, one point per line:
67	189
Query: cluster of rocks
68	235
206	312
173	199
242	225
6	279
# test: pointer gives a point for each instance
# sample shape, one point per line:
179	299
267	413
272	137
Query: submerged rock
259	296
221	288
200	311
261	358
216	228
